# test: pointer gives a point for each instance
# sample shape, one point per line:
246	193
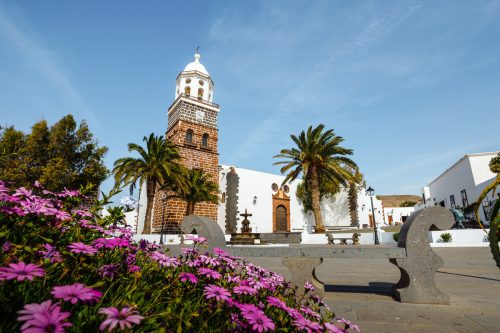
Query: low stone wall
281	238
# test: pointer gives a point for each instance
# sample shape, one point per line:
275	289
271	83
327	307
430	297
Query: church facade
192	127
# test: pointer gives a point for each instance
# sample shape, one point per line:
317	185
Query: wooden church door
281	220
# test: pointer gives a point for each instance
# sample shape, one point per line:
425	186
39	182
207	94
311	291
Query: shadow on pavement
378	288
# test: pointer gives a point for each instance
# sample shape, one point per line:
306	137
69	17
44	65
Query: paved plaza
360	290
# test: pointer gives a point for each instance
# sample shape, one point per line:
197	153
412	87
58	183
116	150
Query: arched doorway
281	210
281	219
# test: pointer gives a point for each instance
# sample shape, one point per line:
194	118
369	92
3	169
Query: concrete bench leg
418	269
416	284
303	270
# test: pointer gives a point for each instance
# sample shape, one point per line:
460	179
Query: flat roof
460	160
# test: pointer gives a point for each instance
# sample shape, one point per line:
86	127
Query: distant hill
397	199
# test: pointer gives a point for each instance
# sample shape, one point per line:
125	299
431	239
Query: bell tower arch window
200	93
187	91
189	136
204	140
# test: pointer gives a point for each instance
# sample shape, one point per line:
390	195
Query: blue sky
411	85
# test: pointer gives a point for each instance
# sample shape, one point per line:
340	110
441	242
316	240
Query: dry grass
396	200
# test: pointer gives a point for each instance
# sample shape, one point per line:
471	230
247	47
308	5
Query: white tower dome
195	82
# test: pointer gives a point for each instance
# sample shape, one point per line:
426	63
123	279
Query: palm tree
198	188
157	165
317	155
354	187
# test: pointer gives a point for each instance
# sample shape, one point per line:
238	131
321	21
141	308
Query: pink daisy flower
44	317
331	328
245	290
21	271
307	325
123	318
308	286
248	310
188	277
209	273
260	322
82	248
196	239
76	292
221	252
276	302
219	293
348	324
165	260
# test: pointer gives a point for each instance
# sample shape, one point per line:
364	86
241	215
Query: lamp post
370	191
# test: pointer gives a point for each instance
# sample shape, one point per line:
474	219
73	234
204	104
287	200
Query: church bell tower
192	127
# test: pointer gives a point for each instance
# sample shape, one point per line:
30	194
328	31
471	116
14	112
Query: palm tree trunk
353	204
316	200
150	193
189	208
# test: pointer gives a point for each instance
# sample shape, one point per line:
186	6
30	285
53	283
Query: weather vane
198	49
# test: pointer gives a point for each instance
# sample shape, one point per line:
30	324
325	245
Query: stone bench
413	255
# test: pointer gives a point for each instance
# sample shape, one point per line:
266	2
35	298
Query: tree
64	155
326	188
198	188
157	166
318	154
354	188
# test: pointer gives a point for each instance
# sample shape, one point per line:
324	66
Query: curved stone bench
413	255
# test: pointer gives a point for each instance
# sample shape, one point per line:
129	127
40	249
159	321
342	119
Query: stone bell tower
192	127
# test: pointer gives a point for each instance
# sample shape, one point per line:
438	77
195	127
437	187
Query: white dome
196	66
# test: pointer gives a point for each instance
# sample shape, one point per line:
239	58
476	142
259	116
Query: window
465	202
204	140
201	82
223	199
187	90
189	136
452	201
200	93
188	81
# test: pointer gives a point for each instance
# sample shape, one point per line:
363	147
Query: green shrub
395	236
446	237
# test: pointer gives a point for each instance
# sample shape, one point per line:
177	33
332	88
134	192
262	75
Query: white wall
335	210
258	184
397	213
143	201
471	173
365	209
480	167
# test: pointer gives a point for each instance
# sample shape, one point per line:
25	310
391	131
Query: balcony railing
198	99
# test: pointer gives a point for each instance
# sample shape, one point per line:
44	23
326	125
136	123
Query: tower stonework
192	127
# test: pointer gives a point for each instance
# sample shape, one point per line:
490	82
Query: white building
461	184
275	208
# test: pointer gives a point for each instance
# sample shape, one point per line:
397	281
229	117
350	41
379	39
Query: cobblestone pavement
360	290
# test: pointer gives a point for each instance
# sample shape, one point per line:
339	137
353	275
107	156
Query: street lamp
370	191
